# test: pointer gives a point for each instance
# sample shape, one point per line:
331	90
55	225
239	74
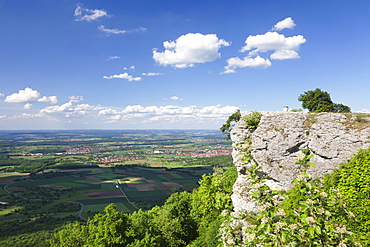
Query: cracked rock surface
277	142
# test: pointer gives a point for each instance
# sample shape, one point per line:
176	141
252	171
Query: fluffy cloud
123	76
256	62
286	23
75	98
281	48
272	41
151	74
131	67
133	115
117	31
189	49
284	54
27	106
1	95
23	96
29	95
169	112
83	14
54	109
176	98
49	99
69	109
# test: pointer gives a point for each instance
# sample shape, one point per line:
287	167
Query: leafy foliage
320	101
352	180
229	124
341	108
317	219
252	120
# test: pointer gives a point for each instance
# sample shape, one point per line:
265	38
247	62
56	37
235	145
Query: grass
108	185
92	171
358	121
8	209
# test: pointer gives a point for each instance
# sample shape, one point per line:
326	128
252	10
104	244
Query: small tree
316	101
229	124
320	101
341	108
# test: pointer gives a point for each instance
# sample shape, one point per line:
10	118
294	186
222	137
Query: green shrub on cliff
314	218
252	120
352	179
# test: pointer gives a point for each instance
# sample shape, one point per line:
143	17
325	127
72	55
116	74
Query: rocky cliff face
277	142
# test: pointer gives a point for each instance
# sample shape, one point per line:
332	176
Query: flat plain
53	173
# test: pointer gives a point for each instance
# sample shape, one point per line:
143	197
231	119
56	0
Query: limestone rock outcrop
333	138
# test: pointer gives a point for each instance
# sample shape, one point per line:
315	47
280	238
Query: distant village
136	155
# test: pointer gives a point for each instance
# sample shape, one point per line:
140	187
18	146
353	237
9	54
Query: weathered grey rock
277	142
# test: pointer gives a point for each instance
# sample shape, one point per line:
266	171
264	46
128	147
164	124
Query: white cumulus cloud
75	98
253	62
279	46
55	109
168	113
176	98
284	54
23	96
27	106
83	14
49	99
189	49
131	67
286	23
123	76
272	41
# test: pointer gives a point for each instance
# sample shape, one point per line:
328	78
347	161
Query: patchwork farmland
129	188
49	178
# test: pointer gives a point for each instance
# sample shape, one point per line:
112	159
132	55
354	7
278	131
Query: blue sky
175	64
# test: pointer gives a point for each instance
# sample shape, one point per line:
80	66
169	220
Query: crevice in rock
320	155
295	148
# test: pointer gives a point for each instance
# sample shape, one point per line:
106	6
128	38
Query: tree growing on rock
320	101
229	124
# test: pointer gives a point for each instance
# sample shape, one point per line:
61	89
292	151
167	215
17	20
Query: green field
96	188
